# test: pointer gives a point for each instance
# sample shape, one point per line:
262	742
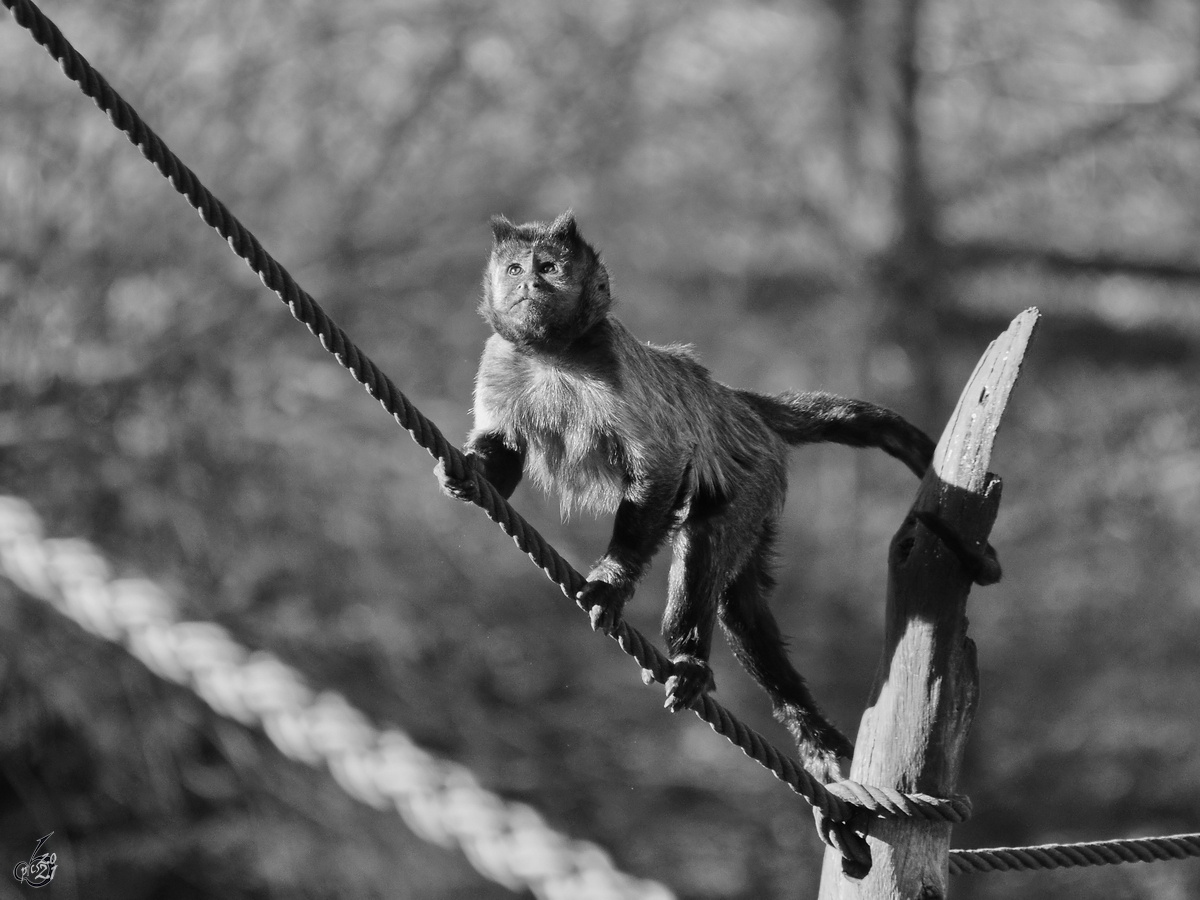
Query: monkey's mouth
530	304
537	320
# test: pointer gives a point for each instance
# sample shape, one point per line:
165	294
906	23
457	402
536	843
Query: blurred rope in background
441	801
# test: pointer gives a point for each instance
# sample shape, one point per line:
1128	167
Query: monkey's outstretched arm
644	520
498	462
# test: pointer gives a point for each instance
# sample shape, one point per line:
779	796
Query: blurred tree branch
981	254
1131	119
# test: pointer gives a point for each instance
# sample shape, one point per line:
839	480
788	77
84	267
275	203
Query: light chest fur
566	419
595	431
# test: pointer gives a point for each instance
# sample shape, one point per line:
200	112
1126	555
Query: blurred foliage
847	194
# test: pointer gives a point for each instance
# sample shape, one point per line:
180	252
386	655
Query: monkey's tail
814	417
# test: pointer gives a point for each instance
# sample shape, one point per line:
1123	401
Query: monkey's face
544	286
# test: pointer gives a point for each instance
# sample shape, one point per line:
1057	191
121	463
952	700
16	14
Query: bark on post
914	731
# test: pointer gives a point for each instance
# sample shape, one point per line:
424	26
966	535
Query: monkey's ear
563	228
502	229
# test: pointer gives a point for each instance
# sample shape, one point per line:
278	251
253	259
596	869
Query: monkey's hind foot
823	765
692	677
983	567
463	489
820	744
603	602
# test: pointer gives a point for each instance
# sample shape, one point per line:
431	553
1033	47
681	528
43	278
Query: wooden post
914	731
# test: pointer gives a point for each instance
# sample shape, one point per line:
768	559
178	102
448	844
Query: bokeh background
853	195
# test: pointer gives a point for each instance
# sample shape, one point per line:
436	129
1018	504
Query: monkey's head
544	285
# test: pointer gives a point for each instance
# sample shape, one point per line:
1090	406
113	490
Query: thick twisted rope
1060	856
440	800
843	802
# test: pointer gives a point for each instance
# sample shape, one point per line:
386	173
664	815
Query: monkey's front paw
604	603
459	488
692	678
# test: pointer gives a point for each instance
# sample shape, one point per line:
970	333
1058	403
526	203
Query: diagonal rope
841	802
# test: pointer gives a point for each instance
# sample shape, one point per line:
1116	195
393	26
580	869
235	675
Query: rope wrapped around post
842	802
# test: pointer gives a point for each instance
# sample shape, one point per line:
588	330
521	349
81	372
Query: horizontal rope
441	801
1060	856
844	801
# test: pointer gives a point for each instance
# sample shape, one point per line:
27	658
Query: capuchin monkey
567	393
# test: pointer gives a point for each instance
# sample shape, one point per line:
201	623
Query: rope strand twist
440	800
1061	856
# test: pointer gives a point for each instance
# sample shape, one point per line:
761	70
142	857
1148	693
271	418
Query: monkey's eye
549	268
514	269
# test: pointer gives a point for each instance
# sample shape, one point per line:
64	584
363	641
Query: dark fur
566	393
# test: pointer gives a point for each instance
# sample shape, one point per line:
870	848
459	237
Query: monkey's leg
698	574
757	643
642	523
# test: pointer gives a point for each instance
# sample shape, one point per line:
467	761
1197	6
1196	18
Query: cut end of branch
965	450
